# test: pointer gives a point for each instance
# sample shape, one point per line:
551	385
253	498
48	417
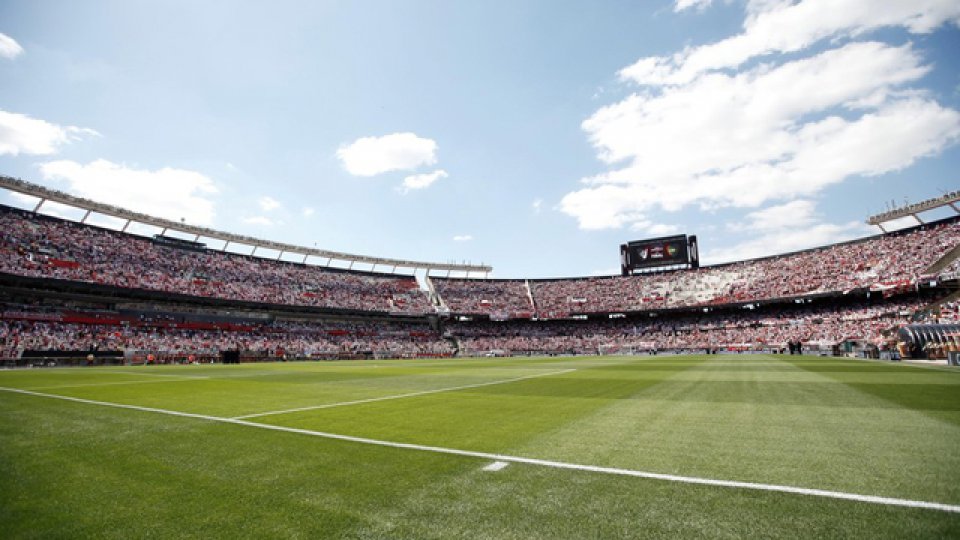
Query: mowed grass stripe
227	392
492	419
402	396
511	364
81	472
934	393
886	501
705	422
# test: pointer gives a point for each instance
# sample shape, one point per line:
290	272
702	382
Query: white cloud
798	213
9	48
169	193
258	220
62	211
268	204
421	181
21	134
370	156
308	211
687	4
662	229
899	223
775	26
462	238
787	240
771	132
23	198
537	205
785	228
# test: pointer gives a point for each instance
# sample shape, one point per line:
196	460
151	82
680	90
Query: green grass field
73	468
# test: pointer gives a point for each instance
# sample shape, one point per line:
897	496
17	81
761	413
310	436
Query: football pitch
590	447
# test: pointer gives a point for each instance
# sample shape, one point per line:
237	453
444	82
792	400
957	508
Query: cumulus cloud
798	213
775	26
784	228
687	4
258	220
655	229
168	192
462	238
370	156
268	204
21	134
9	48
421	181
775	131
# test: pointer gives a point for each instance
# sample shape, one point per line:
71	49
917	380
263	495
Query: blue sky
532	136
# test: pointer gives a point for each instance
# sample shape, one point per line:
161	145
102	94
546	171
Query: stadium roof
45	194
949	199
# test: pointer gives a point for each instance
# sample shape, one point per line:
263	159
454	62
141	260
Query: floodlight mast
913	210
128	216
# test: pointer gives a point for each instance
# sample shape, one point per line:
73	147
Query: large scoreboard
667	251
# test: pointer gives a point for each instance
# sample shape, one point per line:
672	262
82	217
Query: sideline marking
399	396
115	383
872	499
136	374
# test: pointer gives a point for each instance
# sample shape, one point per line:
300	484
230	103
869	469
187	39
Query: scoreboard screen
657	252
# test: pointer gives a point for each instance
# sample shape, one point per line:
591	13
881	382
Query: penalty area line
871	499
400	396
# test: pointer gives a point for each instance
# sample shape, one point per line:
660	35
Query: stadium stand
44	247
820	297
26	331
769	329
889	263
498	299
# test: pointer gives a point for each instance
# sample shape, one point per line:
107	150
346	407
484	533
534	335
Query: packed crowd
742	330
501	299
952	271
891	263
26	329
45	247
267	340
947	313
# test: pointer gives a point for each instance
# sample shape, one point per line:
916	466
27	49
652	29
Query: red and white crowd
500	298
268	340
49	248
889	263
43	247
744	330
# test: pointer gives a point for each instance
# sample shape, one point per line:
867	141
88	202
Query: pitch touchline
155	374
872	499
84	385
399	396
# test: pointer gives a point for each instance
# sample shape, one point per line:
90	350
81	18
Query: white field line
114	383
137	374
871	499
399	396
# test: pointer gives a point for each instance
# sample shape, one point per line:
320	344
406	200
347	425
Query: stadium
136	311
762	371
